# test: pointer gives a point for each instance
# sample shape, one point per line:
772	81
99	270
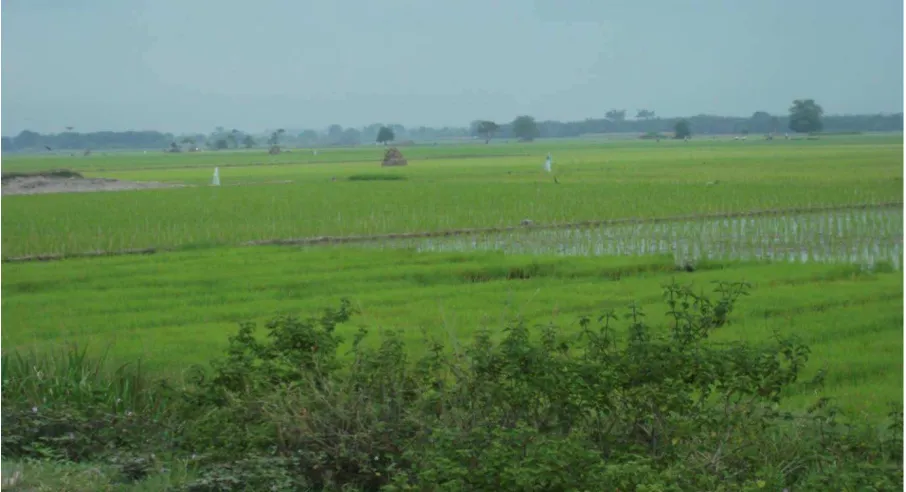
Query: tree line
805	116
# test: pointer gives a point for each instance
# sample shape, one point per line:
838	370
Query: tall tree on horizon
805	116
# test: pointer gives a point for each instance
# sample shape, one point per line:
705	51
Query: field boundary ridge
317	240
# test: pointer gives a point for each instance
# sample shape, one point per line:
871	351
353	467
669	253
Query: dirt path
31	185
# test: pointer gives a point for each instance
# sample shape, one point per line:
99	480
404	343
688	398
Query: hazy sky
191	65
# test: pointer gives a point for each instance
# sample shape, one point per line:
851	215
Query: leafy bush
377	177
639	408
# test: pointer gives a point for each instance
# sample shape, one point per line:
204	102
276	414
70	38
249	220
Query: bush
377	177
639	408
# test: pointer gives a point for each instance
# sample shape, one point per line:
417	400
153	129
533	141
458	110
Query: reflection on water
853	236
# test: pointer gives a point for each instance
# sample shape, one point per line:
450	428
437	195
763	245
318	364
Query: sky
189	66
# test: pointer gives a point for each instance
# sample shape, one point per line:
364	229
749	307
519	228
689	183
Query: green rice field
445	188
823	253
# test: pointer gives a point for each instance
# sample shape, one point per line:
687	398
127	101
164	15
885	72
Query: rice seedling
863	237
461	187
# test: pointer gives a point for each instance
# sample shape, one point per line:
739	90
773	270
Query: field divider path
315	240
569	225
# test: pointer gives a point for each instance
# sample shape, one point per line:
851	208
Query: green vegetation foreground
175	309
651	409
683	400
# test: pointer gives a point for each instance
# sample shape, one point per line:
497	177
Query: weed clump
376	177
619	405
60	174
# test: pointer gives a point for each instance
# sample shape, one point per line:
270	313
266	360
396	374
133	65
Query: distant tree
27	139
385	134
6	144
525	128
221	144
486	129
616	115
216	136
681	129
234	137
644	114
308	137
334	134
805	116
759	119
188	141
275	137
762	122
351	136
174	147
248	142
369	133
274	141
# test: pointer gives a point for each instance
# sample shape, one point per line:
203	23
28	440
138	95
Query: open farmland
166	306
464	239
440	247
177	309
857	235
473	186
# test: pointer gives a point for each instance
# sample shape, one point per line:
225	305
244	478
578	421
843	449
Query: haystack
393	157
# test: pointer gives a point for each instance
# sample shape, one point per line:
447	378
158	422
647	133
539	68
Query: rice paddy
492	188
825	262
858	236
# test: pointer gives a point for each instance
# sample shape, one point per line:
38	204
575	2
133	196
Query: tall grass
75	376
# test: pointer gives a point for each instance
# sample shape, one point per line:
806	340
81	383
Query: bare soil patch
69	182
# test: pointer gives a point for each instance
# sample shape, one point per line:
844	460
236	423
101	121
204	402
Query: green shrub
636	408
377	177
60	173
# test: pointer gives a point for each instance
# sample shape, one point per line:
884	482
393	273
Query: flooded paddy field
864	236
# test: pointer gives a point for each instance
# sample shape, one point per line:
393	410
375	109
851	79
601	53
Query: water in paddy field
864	237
